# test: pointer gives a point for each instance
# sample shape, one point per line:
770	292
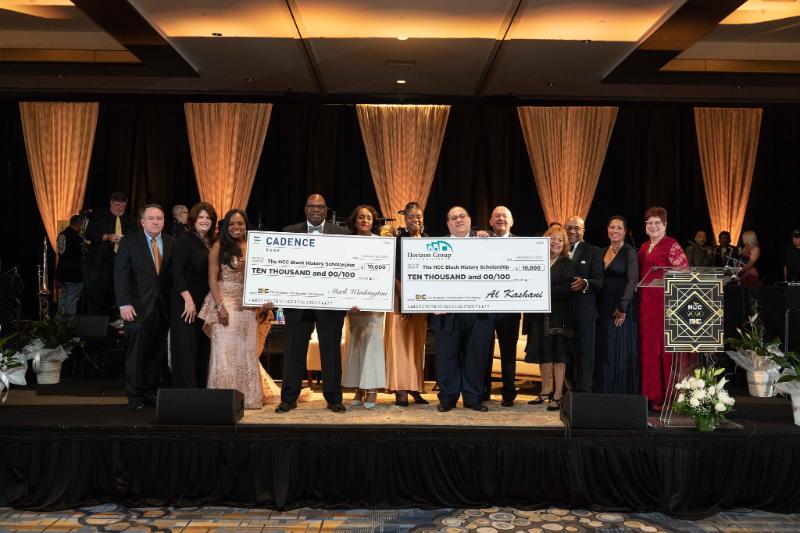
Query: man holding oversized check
316	271
463	281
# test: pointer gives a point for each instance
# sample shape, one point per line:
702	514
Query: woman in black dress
550	334
189	345
616	361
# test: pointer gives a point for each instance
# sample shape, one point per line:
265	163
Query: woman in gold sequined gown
237	333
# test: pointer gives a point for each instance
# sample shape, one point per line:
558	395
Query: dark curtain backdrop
141	148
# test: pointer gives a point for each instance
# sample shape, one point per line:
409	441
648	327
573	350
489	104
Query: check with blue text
476	275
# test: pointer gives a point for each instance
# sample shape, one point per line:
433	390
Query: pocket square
583	262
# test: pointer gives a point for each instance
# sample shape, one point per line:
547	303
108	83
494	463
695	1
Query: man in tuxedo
587	283
697	252
105	231
300	323
141	283
462	341
726	255
180	220
506	325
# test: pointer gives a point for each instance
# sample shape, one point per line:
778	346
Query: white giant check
310	271
469	275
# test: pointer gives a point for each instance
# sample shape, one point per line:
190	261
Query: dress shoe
507	403
418	399
554	405
401	398
478	407
136	404
285	407
442	408
151	399
337	407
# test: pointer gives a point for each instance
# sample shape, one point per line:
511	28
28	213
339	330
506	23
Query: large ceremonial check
470	275
313	271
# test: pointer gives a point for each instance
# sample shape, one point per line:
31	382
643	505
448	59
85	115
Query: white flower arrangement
702	396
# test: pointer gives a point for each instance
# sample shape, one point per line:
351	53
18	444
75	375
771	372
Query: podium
693	318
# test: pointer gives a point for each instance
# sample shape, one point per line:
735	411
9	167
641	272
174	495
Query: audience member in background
364	359
550	335
105	230
725	255
506	325
462	341
617	365
659	251
69	275
588	282
698	254
189	344
180	220
141	282
404	339
749	254
791	260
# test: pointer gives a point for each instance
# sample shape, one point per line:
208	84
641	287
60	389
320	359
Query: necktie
315	229
156	255
117	231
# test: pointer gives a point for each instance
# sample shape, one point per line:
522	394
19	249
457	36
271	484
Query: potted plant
12	367
752	354
50	342
704	398
789	381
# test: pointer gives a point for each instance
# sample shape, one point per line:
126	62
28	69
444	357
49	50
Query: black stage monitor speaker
604	411
199	407
90	326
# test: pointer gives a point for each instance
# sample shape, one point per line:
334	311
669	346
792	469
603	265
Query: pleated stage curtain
402	144
567	147
58	141
226	140
728	141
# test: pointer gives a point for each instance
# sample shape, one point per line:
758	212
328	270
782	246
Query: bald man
301	322
590	275
506	325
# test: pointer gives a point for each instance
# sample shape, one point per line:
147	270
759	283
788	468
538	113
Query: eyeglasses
653	223
316	206
570	228
453	218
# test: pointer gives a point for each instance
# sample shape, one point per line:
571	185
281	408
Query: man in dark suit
462	341
506	325
300	323
105	231
587	283
141	283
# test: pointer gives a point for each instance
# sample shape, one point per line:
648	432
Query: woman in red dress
659	251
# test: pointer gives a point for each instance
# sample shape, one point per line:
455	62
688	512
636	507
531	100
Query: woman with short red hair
659	251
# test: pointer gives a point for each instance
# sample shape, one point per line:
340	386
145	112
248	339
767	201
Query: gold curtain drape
226	140
402	144
728	142
567	147
58	140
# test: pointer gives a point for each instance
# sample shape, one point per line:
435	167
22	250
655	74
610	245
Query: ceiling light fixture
401	82
250	80
216	34
402	37
587	41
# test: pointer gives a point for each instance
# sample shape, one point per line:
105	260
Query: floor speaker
199	407
90	326
604	411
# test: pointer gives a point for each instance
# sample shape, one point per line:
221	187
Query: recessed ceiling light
401	82
551	84
402	37
587	41
250	80
216	34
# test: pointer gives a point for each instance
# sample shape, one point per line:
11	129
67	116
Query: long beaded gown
236	348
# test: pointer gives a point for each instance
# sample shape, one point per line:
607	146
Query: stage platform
76	443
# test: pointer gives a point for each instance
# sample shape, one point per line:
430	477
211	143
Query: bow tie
312	228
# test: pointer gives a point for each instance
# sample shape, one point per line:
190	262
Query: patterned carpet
110	517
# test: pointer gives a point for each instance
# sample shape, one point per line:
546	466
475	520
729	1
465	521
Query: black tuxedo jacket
101	222
588	261
327	229
136	282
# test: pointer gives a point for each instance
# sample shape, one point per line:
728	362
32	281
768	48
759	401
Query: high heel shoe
418	399
554	405
357	399
401	398
539	400
371	400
